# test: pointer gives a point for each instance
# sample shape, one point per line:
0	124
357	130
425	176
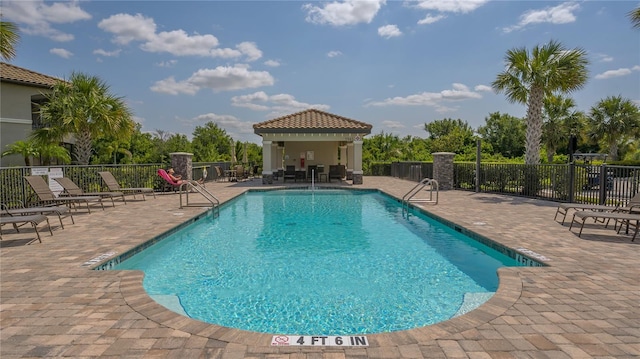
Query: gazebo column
267	171
357	162
278	157
343	156
350	160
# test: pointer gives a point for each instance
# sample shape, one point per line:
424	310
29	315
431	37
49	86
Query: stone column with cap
181	163
443	169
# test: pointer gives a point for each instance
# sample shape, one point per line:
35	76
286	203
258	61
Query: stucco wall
325	153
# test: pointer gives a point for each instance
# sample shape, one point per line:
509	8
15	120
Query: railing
14	190
603	184
409	196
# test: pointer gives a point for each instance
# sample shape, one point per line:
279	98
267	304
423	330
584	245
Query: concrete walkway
585	304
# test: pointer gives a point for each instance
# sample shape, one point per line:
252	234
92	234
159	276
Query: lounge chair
563	208
623	218
18	221
113	186
60	211
46	195
72	189
289	173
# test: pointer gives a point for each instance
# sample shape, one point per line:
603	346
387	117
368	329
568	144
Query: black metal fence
601	184
13	188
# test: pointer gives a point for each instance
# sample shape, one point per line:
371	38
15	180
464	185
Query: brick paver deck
586	304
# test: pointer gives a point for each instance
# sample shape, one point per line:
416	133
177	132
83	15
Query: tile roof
15	74
312	120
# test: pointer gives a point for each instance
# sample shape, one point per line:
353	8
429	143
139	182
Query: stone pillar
267	171
443	169
182	164
357	162
350	161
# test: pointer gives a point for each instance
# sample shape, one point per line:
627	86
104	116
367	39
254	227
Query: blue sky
394	64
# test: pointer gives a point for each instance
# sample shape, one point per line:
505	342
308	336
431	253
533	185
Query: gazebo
312	138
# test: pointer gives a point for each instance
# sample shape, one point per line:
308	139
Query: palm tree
26	149
634	15
559	123
614	120
9	38
84	107
530	77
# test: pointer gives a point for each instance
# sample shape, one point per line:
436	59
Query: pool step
171	302
472	301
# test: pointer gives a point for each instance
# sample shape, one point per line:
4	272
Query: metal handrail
408	197
213	200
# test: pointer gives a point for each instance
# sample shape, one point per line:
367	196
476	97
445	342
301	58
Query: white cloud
222	78
389	31
278	105
483	88
169	63
334	53
272	63
455	6
459	92
105	53
392	124
560	14
37	17
617	73
250	50
429	19
128	28
61	52
603	58
348	12
231	124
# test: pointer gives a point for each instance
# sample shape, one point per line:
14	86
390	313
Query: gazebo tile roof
311	120
12	73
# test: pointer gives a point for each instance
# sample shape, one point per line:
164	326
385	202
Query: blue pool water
327	262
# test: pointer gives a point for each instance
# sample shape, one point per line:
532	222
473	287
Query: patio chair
335	172
72	189
289	173
60	211
18	221
113	186
563	208
622	218
46	195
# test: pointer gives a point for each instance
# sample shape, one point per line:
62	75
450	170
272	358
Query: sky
393	64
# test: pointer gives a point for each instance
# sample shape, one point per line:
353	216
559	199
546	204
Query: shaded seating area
72	189
113	186
46	195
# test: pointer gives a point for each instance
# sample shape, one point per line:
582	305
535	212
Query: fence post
478	154
602	184
572	180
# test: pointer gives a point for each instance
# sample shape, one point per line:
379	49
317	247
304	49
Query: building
312	138
21	91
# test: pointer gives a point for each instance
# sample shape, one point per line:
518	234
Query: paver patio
585	304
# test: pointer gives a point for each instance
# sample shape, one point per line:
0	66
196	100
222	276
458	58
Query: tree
84	107
505	134
530	77
614	120
211	143
9	38
448	135
634	15
560	122
26	149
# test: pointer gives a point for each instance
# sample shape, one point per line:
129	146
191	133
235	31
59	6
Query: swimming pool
327	262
